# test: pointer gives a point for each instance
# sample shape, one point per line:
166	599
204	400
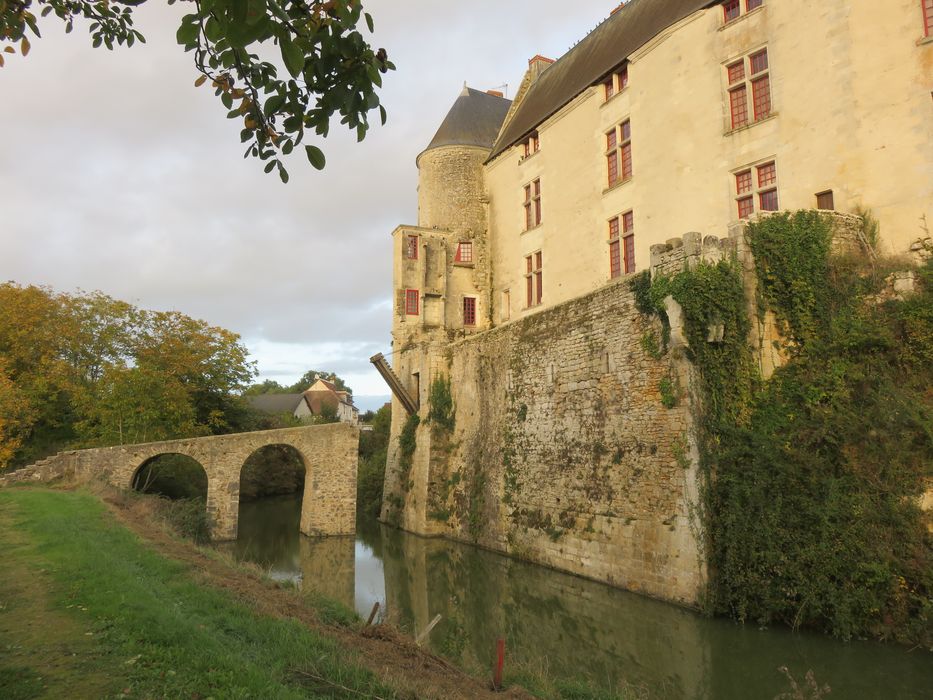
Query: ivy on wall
812	478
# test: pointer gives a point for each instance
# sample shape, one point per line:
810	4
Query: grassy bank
86	610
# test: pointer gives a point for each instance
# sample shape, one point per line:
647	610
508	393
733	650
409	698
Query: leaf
188	32
255	10
200	81
382	114
293	55
369	21
24	47
315	157
273	104
283	173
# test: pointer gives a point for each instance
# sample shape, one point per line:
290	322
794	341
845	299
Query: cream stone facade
515	205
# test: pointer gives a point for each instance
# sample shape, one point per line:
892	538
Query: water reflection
570	626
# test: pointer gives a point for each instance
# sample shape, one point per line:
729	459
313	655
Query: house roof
474	120
275	403
602	50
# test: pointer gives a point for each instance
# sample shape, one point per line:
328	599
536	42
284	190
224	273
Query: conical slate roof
474	120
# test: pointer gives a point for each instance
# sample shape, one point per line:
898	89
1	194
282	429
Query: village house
671	116
310	403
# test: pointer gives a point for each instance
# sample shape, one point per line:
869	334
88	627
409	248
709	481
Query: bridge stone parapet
328	452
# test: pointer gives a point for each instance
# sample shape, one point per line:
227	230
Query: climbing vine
407	443
812	478
442	412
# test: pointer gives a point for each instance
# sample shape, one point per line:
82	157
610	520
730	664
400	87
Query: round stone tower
450	169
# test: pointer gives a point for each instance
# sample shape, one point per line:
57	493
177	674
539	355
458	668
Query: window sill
925	40
525	159
463	264
733	22
752	125
617	185
533	228
614	96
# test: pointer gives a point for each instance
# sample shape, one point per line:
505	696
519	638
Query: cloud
118	174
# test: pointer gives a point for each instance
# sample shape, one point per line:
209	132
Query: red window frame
623	78
619	153
534	279
532	204
615	255
469	311
411	247
464	252
756	80
731	10
762	185
753	4
926	7
412	302
609	87
628	242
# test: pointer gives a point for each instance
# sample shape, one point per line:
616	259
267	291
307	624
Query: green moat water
563	624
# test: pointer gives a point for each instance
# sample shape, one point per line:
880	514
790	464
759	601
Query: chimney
495	93
537	64
616	9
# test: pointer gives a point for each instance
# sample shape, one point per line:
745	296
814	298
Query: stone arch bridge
329	454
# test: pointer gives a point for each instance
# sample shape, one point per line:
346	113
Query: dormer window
616	82
532	145
733	9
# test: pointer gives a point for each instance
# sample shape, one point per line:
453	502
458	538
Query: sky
118	175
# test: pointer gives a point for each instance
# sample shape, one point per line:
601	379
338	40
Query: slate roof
276	403
591	60
474	120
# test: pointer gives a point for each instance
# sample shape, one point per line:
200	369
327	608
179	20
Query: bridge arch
171	474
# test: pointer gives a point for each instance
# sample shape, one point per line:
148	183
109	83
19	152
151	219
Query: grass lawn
88	611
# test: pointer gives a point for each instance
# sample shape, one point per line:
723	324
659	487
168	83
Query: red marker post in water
500	661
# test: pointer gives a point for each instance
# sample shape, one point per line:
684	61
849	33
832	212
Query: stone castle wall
563	452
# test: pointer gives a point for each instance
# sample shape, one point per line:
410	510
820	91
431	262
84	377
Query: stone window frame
622	244
825	200
619	167
748	89
615	83
734	10
752	184
534	279
410	246
532	204
505	308
530	146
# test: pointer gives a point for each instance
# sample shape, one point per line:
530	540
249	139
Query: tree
88	370
331	67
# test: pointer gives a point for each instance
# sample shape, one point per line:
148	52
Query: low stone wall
564	452
329	453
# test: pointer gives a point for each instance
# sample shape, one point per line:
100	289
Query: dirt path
45	652
392	657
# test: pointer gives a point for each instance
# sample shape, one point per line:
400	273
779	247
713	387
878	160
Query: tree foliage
270	386
330	67
89	370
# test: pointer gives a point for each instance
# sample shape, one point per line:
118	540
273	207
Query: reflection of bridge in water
328	453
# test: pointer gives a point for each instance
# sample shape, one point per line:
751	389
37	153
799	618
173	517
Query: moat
567	626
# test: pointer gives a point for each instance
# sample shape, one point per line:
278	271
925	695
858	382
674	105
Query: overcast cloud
117	174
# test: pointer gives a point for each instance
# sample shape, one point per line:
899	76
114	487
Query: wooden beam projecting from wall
395	384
